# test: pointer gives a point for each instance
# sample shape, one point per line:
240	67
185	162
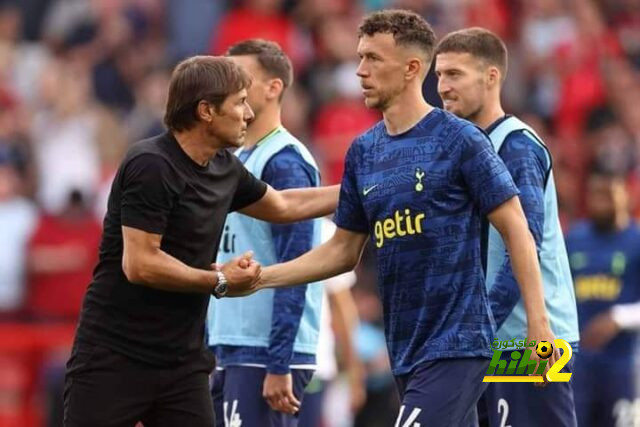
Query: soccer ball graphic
544	349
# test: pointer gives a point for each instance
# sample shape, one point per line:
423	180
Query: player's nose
443	88
361	71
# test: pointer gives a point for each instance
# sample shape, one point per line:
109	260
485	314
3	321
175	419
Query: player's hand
542	332
599	332
277	390
243	274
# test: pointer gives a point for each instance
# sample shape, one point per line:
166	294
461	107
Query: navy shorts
311	409
237	397
524	405
604	389
442	393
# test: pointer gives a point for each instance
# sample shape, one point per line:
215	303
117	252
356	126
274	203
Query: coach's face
461	83
229	122
381	70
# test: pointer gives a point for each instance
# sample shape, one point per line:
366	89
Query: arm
286	170
344	317
528	165
338	255
606	326
510	221
149	190
492	189
144	263
341	252
295	204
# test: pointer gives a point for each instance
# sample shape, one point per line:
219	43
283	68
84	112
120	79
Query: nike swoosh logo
368	190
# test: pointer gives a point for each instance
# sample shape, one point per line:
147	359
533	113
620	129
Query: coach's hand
242	275
278	392
542	332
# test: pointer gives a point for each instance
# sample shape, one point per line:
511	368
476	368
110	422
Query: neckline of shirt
175	145
427	117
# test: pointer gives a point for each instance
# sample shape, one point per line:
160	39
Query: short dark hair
478	42
269	55
407	27
208	78
602	171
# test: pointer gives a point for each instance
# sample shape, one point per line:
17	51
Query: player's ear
415	66
275	88
493	76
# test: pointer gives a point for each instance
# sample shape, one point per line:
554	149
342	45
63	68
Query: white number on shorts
503	405
233	420
412	417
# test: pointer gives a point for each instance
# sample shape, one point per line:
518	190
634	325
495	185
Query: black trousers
106	389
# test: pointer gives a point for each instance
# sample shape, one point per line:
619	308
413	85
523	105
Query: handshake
242	274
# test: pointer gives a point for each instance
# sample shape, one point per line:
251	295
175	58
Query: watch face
221	288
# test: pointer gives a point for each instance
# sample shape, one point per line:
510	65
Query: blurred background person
336	391
604	253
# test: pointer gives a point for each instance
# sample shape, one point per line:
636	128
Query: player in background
419	183
604	252
329	401
265	344
471	65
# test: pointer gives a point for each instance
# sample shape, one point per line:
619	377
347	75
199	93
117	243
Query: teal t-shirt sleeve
485	174
350	213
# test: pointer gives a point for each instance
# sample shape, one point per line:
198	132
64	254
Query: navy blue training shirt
421	196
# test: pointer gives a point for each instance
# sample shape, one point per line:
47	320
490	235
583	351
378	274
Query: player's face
607	197
461	84
230	121
381	70
256	94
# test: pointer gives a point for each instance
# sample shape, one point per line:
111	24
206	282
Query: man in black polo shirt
139	351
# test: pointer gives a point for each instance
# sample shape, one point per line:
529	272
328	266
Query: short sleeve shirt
421	196
159	189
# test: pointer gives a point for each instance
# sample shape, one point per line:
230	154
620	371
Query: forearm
306	203
526	270
324	261
344	316
504	294
162	271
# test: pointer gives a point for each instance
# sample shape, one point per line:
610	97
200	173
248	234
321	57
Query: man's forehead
455	59
377	41
248	62
239	94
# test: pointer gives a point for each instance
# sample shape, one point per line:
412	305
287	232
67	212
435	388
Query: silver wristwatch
220	289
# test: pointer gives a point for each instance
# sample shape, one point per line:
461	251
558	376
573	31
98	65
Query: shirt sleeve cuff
278	369
627	316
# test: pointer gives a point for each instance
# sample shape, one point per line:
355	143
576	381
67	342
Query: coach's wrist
221	285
